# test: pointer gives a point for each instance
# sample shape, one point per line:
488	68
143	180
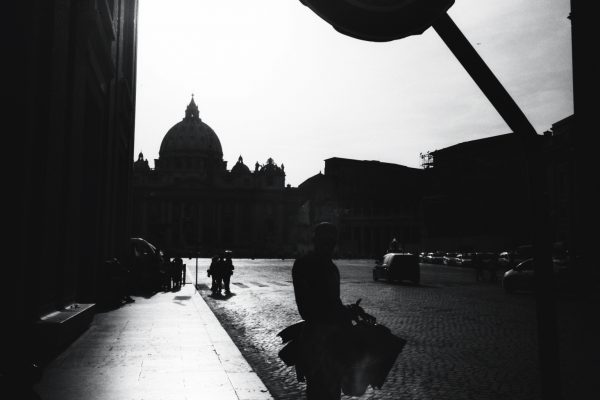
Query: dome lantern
191	112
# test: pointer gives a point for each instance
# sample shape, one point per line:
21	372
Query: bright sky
274	80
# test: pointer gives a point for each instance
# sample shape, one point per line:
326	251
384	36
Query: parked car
510	258
435	257
450	258
520	254
464	259
505	260
521	277
398	267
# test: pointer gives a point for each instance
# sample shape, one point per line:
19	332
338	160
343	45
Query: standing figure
394	246
214	271
177	271
163	272
227	272
316	282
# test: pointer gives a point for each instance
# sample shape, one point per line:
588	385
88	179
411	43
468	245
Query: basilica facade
190	203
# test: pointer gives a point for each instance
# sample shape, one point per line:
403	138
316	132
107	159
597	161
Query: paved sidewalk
167	347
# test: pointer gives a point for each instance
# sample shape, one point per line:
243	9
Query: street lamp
386	20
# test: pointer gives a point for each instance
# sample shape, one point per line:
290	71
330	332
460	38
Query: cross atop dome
191	112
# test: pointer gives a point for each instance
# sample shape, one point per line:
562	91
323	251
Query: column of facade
155	224
179	223
144	219
170	226
280	221
218	223
254	226
199	210
373	248
361	239
237	221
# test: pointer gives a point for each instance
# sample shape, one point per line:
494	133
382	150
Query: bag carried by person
373	351
369	352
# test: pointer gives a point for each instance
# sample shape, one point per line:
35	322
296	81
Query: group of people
121	279
221	268
173	273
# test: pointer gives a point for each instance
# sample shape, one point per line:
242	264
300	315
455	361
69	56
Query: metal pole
543	269
196	269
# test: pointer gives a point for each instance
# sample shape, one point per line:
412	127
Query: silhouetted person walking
227	272
317	290
177	271
215	271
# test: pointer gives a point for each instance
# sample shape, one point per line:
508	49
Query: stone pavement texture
169	346
466	339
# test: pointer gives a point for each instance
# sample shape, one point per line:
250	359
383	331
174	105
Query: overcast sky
274	80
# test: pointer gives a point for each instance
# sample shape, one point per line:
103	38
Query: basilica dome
240	168
191	135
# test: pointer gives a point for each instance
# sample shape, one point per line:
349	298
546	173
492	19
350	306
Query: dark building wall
371	202
479	193
76	66
478	197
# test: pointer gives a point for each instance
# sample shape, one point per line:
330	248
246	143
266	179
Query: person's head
325	238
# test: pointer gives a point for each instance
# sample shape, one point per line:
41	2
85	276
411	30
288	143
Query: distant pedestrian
176	271
214	272
227	272
394	246
164	274
162	271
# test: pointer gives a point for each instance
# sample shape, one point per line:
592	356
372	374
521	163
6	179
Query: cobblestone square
466	339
